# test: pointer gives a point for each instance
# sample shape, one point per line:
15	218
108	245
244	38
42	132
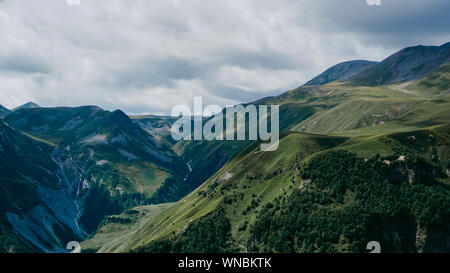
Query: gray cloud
23	64
147	56
398	22
149	73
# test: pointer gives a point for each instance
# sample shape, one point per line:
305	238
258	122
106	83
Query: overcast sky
145	56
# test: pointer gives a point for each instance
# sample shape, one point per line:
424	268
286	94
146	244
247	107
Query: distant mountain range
406	65
353	139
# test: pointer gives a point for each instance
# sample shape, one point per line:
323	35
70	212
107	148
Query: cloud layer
147	56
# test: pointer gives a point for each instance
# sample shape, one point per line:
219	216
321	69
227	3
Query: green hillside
436	83
341	108
245	186
231	187
391	139
346	202
115	228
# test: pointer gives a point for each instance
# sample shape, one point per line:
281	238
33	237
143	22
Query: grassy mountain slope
251	180
345	202
205	158
399	199
115	228
234	187
435	83
342	108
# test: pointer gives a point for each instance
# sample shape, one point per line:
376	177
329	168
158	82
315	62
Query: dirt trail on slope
402	87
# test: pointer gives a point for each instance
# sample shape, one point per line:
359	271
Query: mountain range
364	155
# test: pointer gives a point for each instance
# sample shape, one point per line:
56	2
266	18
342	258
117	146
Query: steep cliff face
39	192
403	173
436	240
397	235
406	234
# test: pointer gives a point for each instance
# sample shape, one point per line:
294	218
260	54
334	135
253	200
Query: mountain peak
342	72
119	115
27	105
408	64
446	45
